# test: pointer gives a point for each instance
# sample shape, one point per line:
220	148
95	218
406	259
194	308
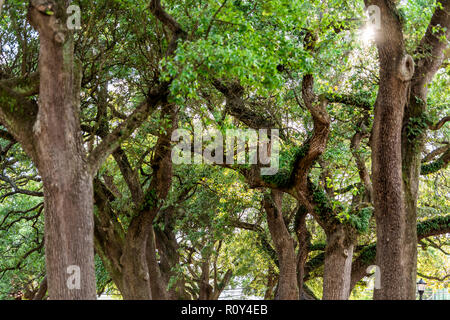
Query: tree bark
69	225
158	285
432	52
284	246
396	70
337	265
303	238
136	277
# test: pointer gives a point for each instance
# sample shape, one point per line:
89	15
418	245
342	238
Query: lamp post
421	288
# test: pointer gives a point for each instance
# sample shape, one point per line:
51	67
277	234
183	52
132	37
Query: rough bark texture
60	160
158	285
303	238
136	251
284	246
432	50
337	265
396	69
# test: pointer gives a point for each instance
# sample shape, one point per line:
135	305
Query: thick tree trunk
387	184
60	160
284	246
396	70
432	55
109	236
303	238
136	277
169	257
158	285
338	265
206	290
411	163
272	280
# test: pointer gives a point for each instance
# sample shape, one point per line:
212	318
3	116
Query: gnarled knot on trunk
406	68
46	21
44	6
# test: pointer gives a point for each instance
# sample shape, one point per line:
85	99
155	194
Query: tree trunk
396	70
303	238
338	265
158	285
271	282
387	183
60	160
411	163
284	246
169	257
432	55
136	277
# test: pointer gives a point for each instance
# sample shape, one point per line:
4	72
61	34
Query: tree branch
166	19
431	47
437	165
440	124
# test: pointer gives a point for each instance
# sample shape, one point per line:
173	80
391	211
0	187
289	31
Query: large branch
425	229
236	106
17	111
360	161
156	96
431	47
40	294
366	254
113	140
440	124
130	176
317	143
168	21
436	165
432	155
350	100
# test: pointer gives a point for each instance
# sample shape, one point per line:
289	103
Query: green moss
417	126
150	200
368	253
361	220
316	262
432	167
266	247
6	101
323	206
288	161
435	224
319	246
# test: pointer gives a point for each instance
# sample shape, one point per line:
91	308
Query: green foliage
433	167
417	126
261	46
438	223
360	221
368	254
288	159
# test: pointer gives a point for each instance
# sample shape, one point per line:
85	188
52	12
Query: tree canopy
88	118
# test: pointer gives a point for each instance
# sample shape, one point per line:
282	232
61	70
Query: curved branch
440	124
437	165
431	47
425	229
166	19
